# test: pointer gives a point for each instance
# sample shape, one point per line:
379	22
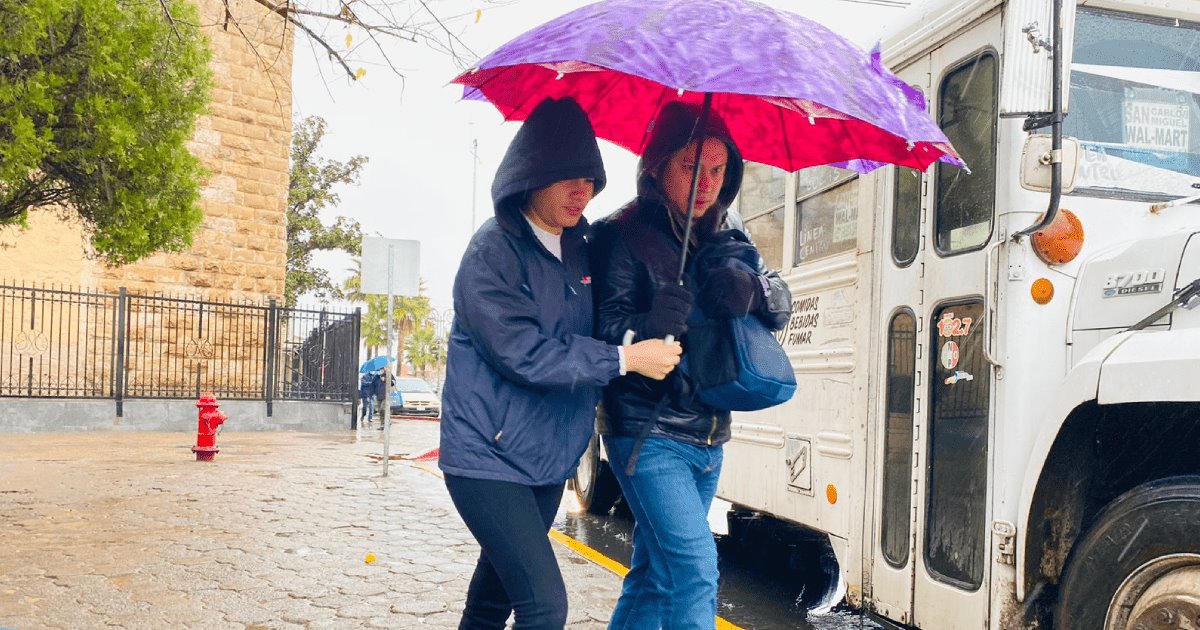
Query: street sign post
390	266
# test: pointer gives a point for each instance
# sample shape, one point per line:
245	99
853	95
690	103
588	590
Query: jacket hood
555	143
674	127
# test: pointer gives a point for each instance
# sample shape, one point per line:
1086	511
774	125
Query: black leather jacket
635	250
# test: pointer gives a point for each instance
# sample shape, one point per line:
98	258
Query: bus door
936	382
900	403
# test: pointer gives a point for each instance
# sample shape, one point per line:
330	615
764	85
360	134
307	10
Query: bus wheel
595	485
1139	564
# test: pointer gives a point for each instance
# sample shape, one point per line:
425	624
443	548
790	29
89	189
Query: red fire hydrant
207	428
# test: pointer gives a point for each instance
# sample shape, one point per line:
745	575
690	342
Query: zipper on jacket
713	430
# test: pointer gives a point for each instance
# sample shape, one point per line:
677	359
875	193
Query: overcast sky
417	132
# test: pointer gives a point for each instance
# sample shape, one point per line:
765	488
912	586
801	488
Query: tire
1138	563
595	485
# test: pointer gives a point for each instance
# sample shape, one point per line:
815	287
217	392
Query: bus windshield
1135	98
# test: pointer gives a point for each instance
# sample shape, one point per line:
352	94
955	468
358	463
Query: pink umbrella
793	93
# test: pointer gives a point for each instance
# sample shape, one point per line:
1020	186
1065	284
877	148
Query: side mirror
1035	163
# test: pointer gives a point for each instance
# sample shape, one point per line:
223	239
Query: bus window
898	440
967	112
906	216
760	203
826	213
1134	104
956	533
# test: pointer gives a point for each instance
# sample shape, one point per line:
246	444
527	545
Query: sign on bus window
1134	105
827	220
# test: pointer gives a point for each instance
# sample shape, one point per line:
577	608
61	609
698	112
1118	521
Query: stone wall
239	251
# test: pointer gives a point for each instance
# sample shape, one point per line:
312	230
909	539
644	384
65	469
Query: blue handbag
735	364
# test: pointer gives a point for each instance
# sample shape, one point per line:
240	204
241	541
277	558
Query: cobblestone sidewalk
127	530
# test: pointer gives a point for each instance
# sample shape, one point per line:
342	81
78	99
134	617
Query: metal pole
354	396
272	324
387	381
120	331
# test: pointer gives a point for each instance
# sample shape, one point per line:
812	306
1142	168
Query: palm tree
425	349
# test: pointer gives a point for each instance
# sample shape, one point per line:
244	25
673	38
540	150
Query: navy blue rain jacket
523	373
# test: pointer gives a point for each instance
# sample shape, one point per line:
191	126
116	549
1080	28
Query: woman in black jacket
664	445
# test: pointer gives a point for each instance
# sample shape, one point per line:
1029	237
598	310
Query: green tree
310	190
98	99
424	349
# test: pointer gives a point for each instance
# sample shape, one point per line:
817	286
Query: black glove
728	293
668	312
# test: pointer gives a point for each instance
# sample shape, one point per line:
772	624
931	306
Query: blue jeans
672	583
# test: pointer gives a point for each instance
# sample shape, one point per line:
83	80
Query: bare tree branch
378	19
289	14
171	20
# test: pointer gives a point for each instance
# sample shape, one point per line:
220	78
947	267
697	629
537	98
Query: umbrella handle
628	339
702	124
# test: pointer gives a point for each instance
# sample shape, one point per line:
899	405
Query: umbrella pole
691	207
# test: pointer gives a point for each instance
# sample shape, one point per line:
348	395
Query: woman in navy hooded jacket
523	372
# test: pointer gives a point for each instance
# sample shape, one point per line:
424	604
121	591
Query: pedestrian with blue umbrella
379	387
366	397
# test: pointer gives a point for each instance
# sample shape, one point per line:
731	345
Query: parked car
415	397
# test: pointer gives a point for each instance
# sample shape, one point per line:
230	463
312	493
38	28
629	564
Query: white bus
993	429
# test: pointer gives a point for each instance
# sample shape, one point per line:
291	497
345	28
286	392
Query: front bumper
432	411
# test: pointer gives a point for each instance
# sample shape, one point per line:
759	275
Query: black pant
517	571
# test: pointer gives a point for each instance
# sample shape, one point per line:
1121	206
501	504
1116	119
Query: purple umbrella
792	92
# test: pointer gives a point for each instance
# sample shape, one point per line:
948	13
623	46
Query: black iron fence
72	344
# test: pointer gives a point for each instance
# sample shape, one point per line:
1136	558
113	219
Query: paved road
127	530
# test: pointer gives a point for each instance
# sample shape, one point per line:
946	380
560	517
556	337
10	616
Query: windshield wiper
1159	207
1185	297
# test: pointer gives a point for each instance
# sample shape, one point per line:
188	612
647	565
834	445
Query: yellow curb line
587	552
610	564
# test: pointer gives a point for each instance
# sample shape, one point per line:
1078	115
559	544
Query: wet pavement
127	530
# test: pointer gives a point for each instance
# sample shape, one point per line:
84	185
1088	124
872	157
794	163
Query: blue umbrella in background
375	363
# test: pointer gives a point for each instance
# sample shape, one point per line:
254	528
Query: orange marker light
1042	291
831	493
1059	242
